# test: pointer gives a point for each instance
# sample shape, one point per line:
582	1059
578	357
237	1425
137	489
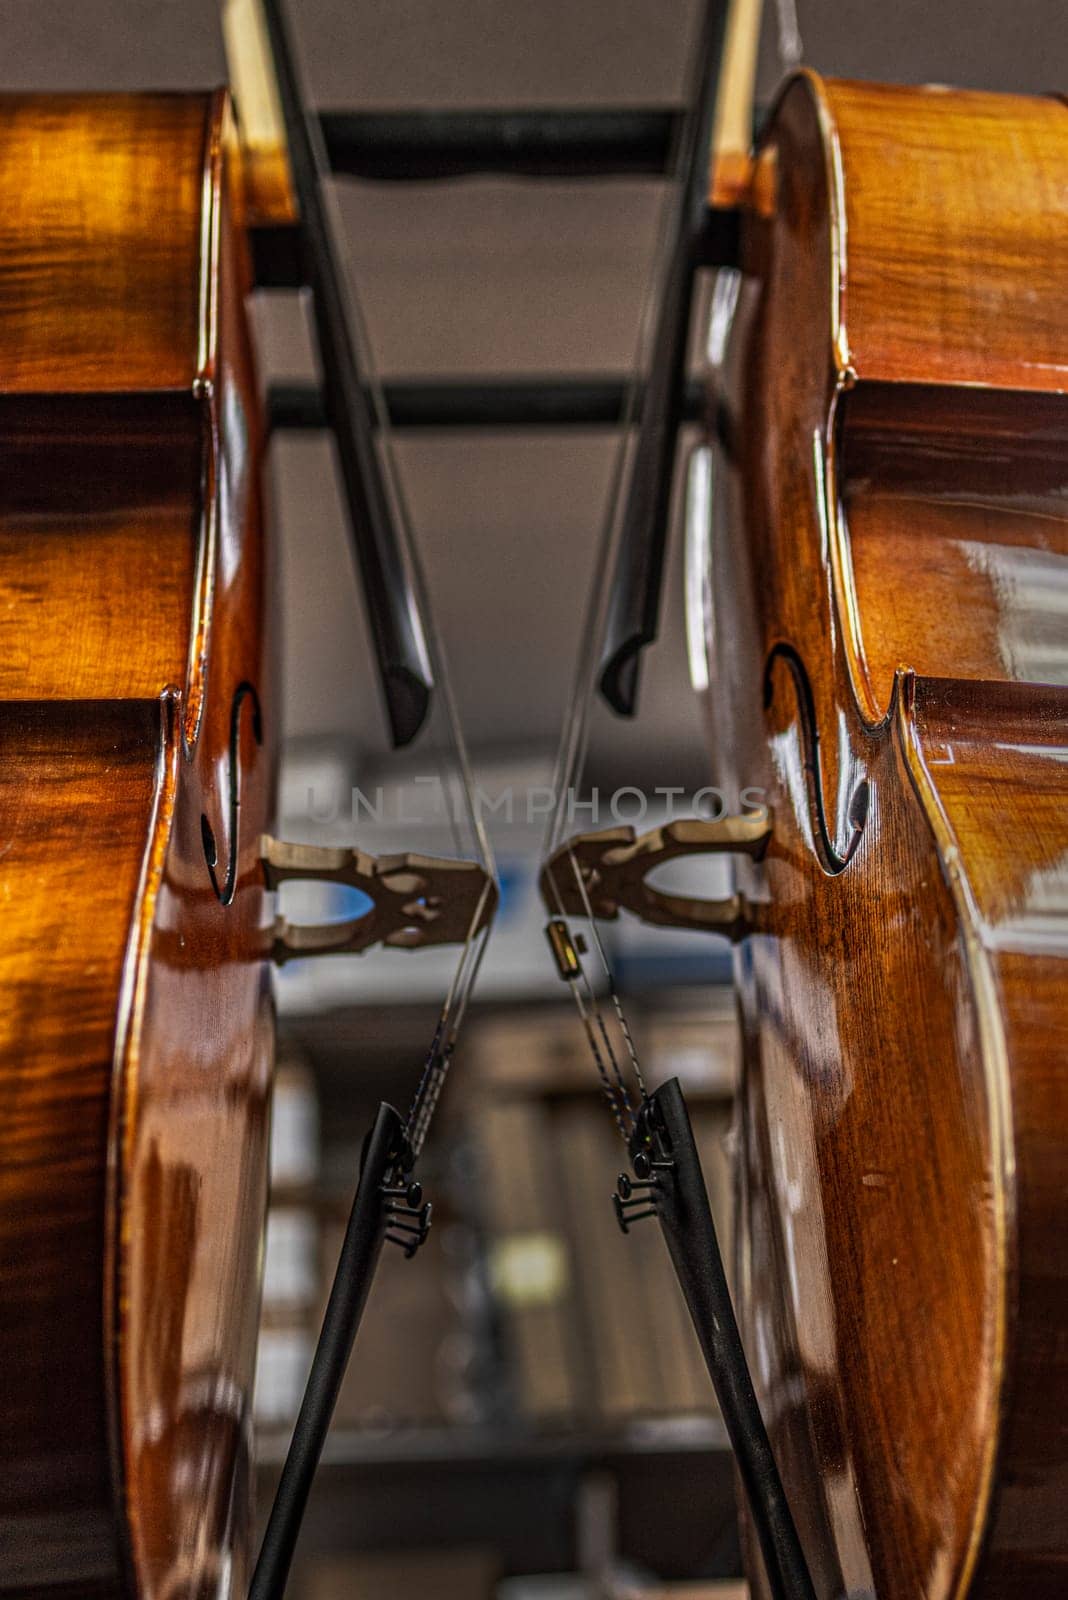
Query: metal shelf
518	1489
479	1446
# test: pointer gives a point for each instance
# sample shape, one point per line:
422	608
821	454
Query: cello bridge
417	901
600	874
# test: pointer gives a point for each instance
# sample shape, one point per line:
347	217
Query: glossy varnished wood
952	224
989	790
99	551
77	782
135	1067
896	430
190	1124
100	248
939	505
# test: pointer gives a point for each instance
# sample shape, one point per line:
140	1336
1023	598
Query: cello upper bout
953	215
953	307
100	281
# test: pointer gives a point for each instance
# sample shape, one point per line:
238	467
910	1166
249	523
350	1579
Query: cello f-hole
225	891
832	860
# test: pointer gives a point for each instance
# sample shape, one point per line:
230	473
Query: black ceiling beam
411	146
526	403
420	145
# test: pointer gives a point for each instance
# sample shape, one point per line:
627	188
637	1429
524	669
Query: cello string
593	1022
613	994
443	739
573	750
616	1094
446	1033
433	648
439	1057
364	1234
457	751
613	991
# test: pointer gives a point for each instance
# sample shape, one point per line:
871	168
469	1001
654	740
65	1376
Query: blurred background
527	1416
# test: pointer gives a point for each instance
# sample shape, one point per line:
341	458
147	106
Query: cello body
887	643
136	761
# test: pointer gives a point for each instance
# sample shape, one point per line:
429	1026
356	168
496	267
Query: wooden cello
886	638
878	629
137	1034
138	710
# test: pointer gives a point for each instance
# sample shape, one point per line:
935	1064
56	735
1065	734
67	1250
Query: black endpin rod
360	1251
686	1221
393	612
637	576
